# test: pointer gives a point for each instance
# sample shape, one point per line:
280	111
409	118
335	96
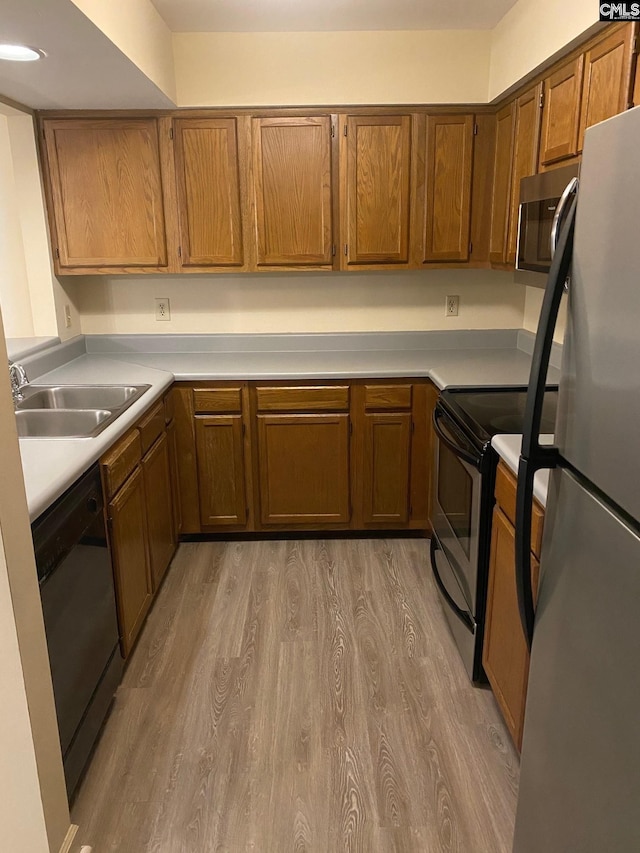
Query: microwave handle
570	188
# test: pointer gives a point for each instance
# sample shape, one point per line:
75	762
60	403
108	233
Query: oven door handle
454	448
462	615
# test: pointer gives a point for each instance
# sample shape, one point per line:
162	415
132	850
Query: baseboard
69	839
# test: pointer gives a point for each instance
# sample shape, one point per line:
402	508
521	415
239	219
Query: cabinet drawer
387	397
213	400
506	485
151	426
120	461
169	408
334	398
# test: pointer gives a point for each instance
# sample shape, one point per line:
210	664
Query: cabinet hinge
413	426
636	44
475	128
350	428
333	130
244	429
541	101
58	254
346	249
170	133
179	251
333	250
345	130
470	248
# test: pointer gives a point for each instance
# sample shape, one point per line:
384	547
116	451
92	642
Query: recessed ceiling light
20	53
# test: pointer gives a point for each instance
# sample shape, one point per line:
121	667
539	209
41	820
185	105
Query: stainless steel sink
81	396
61	423
73	411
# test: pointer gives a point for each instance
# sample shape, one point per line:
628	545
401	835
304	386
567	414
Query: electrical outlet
451	306
67	316
163	309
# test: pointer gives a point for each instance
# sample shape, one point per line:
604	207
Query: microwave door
534	245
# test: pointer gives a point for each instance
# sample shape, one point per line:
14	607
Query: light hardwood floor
299	696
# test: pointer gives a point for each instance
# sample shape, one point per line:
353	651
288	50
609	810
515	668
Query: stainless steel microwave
543	202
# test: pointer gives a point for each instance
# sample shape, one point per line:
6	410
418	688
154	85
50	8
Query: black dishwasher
78	603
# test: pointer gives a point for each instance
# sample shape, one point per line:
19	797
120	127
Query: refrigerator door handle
533	456
555	225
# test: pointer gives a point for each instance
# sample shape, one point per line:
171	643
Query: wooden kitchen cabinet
127	516
525	156
505	654
501	198
221	470
174	472
449	167
562	93
386	469
608	66
106	194
207	156
160	520
292	177
376	168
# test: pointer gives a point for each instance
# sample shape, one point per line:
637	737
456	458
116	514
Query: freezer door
599	402
580	771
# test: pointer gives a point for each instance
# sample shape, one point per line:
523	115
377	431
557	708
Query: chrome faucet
19	381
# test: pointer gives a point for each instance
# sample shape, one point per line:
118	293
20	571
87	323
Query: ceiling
82	69
329	15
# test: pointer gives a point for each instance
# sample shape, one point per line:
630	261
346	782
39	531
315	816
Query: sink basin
61	423
81	396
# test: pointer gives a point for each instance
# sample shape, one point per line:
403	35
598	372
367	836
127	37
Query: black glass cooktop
486	412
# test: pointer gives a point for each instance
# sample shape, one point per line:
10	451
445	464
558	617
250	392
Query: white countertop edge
508	448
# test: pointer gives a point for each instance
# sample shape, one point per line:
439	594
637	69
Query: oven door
456	503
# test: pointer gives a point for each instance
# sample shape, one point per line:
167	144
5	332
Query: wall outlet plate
451	306
163	308
67	316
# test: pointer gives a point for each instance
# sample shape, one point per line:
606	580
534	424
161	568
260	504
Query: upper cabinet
607	78
525	155
106	188
501	198
207	165
376	167
449	166
561	112
292	190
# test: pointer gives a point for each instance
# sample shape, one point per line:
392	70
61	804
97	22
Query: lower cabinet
386	472
129	553
160	523
505	653
303	468
221	469
174	470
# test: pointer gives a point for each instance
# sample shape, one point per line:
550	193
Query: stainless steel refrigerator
580	771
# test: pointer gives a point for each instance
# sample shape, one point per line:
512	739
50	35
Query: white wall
532	306
265	69
311	302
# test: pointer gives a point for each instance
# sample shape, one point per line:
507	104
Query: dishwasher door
78	603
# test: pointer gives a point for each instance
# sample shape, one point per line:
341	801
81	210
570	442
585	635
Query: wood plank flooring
299	696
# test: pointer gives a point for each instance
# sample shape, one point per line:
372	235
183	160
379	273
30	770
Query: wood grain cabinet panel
303	469
106	189
525	155
607	79
387	467
561	112
449	166
221	470
128	542
156	468
174	471
209	195
501	198
376	190
292	188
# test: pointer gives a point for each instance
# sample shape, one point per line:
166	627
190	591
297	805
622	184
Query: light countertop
52	465
508	448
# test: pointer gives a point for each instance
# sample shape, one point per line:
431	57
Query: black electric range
462	500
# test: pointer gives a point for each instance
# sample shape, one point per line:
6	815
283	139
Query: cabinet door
387	467
449	162
106	191
160	523
525	156
501	200
607	79
174	470
128	541
221	470
208	182
377	181
505	654
561	112
292	186
303	466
